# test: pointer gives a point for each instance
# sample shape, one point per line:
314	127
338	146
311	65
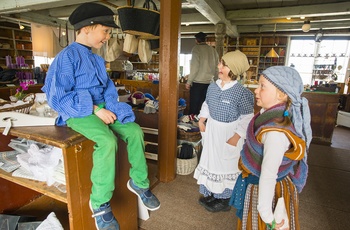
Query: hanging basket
142	22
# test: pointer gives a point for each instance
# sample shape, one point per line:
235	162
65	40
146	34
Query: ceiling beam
215	13
342	8
343	18
292	27
17	6
41	19
209	29
195	18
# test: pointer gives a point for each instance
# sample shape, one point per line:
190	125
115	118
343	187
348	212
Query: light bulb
306	27
21	27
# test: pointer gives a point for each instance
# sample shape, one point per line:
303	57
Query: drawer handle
78	148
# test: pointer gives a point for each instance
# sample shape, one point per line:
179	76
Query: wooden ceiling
240	16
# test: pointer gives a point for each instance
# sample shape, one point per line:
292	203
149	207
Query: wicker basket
25	108
186	166
136	101
188	136
142	22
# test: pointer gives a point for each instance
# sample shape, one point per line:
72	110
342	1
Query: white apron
218	166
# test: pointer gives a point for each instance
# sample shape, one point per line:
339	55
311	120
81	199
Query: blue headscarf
289	82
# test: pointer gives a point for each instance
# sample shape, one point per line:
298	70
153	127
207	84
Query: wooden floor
341	138
41	207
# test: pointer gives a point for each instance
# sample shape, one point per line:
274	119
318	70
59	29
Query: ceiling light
288	18
21	27
302	17
306	27
272	53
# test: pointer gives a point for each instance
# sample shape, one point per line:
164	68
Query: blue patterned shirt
77	80
227	105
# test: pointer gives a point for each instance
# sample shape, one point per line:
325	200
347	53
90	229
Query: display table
77	155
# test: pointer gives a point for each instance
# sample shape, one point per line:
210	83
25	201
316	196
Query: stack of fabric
36	161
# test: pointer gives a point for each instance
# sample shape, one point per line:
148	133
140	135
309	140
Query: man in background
204	68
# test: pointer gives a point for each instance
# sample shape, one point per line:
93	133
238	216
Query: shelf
23	40
20	42
149	63
38	186
150	155
269	46
255	48
5	38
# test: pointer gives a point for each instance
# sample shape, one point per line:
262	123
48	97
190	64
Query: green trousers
104	155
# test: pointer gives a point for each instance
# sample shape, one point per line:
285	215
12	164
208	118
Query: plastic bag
144	50
114	48
130	44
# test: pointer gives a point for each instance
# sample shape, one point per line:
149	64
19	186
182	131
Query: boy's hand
106	116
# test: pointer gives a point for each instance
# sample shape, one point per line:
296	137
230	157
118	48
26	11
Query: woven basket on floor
25	108
186	166
188	136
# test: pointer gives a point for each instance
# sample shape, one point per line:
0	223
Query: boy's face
267	95
97	35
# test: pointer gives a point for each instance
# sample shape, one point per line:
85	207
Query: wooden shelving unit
152	66
15	42
256	48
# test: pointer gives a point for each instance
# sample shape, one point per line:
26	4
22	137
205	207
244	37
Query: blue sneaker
104	218
150	201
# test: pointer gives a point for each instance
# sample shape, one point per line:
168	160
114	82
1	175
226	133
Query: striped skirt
251	219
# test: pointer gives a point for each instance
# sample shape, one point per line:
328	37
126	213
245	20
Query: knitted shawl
294	160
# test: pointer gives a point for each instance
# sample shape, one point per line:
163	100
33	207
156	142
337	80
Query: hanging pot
142	22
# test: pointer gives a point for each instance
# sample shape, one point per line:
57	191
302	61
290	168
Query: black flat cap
90	14
201	35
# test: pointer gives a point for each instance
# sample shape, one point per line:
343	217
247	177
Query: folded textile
50	223
188	127
8	161
41	162
23	173
184	127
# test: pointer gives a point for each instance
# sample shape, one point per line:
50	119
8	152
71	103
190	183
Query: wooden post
220	33
170	16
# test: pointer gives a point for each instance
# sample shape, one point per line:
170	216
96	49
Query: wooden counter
323	109
78	163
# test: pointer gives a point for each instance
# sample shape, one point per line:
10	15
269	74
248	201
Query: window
185	62
302	58
38	60
331	53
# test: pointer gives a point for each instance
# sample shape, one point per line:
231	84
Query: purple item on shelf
28	75
20	61
8	61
